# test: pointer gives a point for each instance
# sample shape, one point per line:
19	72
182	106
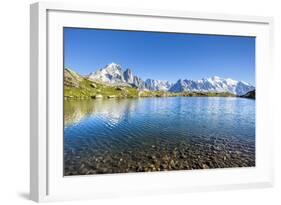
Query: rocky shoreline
199	153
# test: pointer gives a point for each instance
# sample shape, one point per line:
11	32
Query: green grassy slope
76	86
86	90
89	89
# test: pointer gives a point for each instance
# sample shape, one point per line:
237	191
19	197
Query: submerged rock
161	157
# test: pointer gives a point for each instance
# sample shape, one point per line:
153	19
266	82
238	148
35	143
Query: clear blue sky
162	56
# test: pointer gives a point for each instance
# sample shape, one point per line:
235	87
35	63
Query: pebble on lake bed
183	156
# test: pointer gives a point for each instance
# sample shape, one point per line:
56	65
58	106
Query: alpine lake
103	136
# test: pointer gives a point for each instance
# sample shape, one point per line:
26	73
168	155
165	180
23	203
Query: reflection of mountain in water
75	111
155	134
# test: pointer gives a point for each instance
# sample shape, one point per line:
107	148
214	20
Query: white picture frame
47	182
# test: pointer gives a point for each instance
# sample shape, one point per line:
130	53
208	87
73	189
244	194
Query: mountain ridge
113	74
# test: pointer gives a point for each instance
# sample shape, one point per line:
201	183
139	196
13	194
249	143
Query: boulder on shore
93	85
119	88
97	96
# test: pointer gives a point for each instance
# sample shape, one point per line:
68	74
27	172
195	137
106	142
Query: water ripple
138	129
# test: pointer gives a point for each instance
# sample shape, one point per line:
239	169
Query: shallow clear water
154	134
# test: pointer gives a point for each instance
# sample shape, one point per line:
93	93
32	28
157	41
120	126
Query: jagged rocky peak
139	83
181	82
128	76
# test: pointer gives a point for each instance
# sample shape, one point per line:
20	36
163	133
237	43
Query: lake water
155	134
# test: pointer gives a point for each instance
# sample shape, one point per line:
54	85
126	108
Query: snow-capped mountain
113	74
157	85
214	84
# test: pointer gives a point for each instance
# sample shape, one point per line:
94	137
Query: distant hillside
251	94
76	86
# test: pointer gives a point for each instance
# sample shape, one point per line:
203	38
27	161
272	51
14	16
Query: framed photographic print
129	101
